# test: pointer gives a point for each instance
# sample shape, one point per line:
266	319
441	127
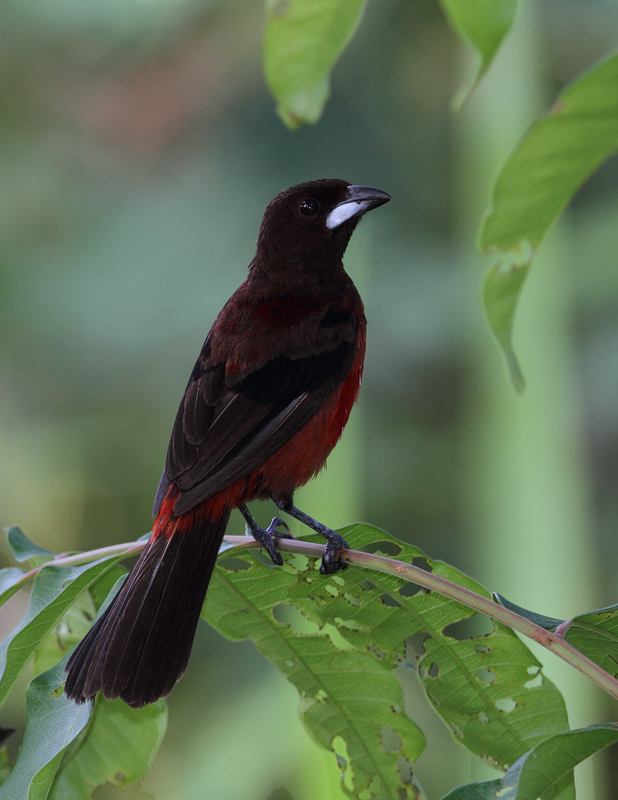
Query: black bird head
310	224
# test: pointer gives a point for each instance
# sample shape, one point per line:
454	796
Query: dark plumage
266	402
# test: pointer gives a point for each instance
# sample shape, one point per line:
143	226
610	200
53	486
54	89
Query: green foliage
596	635
338	639
546	771
303	39
482	24
536	183
22	549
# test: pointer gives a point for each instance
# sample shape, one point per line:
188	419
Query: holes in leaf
456	730
332	590
350	624
483	717
340	749
434	670
375	649
300	562
533	670
234	564
404	767
474	627
288	663
486	675
390	601
396	709
422	563
366	586
534	683
415	646
391	741
410	589
352	599
506	704
293	617
481	648
390	549
338	579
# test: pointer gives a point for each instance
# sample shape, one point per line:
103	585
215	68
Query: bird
266	402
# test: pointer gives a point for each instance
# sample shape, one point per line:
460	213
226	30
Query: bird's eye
308	207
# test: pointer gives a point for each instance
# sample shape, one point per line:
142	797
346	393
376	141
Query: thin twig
552	641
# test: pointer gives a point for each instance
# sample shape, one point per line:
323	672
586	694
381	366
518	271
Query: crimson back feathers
266	402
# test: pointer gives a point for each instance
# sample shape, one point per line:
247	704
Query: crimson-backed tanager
266	402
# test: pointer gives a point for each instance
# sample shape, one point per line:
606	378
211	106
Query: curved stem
553	641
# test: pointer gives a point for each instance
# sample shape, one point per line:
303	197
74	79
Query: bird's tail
140	645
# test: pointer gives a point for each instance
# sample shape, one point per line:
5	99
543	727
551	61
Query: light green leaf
479	676
22	548
11	581
303	39
546	771
482	24
539	178
5	765
75	623
118	748
53	722
55	589
350	703
596	635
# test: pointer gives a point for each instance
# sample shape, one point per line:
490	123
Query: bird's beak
358	200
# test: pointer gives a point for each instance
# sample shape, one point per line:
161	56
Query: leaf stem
552	641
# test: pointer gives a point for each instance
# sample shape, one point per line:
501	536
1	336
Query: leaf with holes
303	39
351	703
539	178
54	591
596	635
478	675
482	24
53	722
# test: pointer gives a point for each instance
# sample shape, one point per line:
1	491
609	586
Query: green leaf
595	634
55	589
351	704
118	748
546	771
11	581
479	676
482	24
303	39
484	682
75	623
539	178
547	623
52	723
5	765
22	548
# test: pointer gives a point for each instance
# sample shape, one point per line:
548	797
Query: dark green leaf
53	722
596	635
303	39
482	24
22	548
547	623
5	765
548	166
55	589
488	790
118	748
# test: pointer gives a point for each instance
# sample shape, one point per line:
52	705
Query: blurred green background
139	150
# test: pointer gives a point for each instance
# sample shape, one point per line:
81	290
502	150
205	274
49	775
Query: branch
552	641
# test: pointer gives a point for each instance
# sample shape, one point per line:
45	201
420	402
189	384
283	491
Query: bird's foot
331	560
266	536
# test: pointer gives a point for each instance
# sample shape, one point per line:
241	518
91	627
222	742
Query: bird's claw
331	560
266	537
